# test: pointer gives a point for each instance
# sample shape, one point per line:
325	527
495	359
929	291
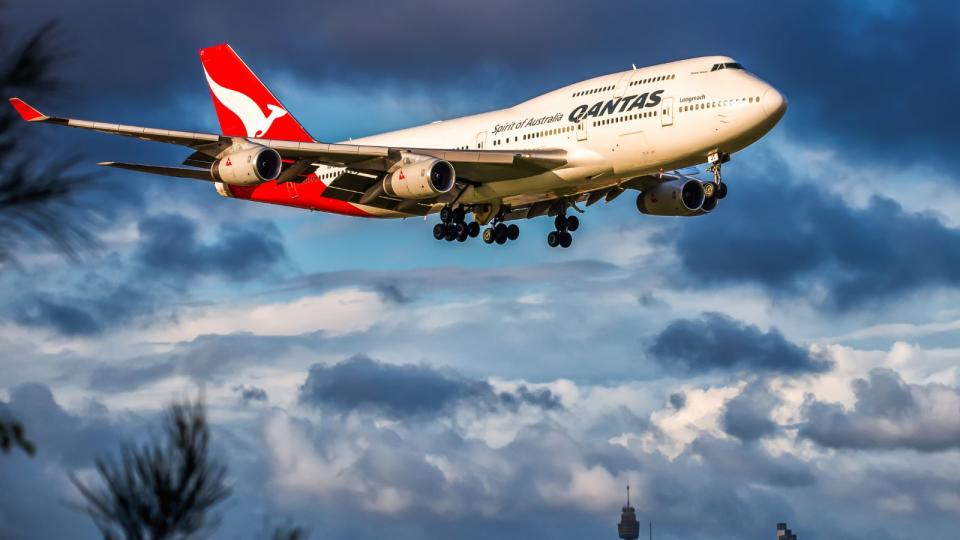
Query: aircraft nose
773	102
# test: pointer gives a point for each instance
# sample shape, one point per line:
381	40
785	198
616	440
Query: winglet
27	112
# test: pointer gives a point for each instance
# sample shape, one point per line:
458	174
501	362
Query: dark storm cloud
102	305
169	246
170	252
678	400
718	342
747	416
360	383
789	237
855	73
248	394
888	414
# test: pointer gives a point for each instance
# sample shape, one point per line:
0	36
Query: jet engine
421	179
680	197
247	167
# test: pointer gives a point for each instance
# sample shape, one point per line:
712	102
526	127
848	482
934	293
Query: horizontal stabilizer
180	172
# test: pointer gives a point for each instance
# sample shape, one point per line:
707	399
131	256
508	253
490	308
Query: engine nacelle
247	167
422	179
681	197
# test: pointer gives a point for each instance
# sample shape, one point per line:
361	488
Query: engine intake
681	197
248	167
421	179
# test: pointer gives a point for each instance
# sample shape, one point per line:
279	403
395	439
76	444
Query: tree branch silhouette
36	202
163	489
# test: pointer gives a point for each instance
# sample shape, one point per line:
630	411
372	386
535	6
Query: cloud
206	358
888	414
169	247
34	488
747	416
408	391
718	342
88	310
678	400
249	394
169	260
796	240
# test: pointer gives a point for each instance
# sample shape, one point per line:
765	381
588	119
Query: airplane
643	129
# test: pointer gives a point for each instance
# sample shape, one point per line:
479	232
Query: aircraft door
666	112
482	140
582	129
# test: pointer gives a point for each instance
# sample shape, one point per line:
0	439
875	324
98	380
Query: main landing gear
500	232
718	188
564	226
453	227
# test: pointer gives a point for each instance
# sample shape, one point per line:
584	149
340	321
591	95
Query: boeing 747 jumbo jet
640	129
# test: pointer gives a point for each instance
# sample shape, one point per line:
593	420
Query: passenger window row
593	91
548	132
625	118
721	103
653	79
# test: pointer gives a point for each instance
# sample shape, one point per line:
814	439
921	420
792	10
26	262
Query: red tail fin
245	107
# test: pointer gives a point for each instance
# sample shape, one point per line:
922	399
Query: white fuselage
613	128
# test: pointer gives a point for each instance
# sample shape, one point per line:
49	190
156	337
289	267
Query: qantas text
625	104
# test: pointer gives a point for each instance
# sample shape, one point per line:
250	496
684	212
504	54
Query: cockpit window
728	65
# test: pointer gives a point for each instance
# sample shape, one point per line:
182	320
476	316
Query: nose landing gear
718	188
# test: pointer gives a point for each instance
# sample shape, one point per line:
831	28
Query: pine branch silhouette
166	488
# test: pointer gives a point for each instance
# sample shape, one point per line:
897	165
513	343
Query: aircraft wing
476	165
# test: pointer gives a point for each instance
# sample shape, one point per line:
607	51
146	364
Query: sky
793	356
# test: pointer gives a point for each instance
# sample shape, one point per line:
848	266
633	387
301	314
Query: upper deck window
728	65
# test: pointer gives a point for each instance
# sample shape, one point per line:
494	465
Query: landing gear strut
564	225
718	188
453	227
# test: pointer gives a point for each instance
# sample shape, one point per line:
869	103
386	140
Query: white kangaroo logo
245	108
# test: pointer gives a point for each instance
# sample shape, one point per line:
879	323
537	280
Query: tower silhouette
629	527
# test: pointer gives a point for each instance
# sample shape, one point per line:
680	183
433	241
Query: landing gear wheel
560	222
573	223
446	214
439	231
461	229
513	231
709	189
451	232
553	239
722	191
458	214
565	239
488	235
463	235
473	229
500	235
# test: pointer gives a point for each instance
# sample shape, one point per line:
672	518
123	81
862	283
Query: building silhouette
629	527
783	533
